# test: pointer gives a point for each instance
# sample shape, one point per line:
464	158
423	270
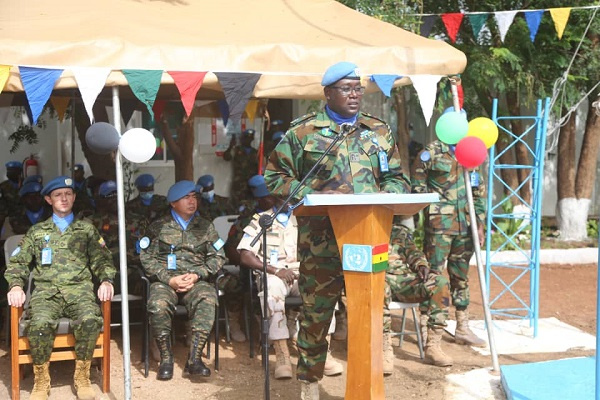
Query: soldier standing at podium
447	231
365	160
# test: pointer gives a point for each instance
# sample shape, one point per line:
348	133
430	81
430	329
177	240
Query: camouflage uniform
219	207
245	165
447	232
282	240
21	222
353	167
403	283
63	288
10	202
195	253
83	204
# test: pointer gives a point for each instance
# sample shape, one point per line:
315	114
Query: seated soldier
65	252
409	280
147	206
181	255
34	210
282	278
211	205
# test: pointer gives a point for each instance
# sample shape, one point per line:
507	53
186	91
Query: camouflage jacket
404	255
20	222
108	226
10	202
236	232
351	167
220	206
436	171
282	242
77	253
198	249
138	211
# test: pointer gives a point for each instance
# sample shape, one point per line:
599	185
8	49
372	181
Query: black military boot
165	368
194	364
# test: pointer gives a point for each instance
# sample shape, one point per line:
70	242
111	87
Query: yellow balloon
485	129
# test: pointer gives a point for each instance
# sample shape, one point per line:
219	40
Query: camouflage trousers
278	291
457	249
44	313
200	302
410	288
320	284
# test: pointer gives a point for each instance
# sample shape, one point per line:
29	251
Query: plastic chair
396	305
10	245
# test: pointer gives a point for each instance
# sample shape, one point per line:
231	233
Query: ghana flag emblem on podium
364	258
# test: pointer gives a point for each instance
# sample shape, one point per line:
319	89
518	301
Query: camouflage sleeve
250	232
99	256
395	180
17	268
418	175
152	263
415	258
479	199
213	258
283	171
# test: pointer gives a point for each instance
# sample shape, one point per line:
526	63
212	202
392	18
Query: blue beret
278	135
180	190
78	167
33	178
249	132
276	122
30	187
14	164
144	180
59	182
205	180
258	186
339	71
107	188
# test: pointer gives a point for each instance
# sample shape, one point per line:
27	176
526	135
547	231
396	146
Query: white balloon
137	145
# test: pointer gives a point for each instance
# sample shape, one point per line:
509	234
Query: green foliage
129	171
592	228
511	227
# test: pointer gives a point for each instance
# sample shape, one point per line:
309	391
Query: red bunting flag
452	23
158	108
188	84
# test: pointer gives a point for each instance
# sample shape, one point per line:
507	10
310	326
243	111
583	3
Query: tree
181	145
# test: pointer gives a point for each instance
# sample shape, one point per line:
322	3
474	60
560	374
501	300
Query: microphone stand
265	222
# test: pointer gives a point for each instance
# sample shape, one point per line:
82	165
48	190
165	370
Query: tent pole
122	249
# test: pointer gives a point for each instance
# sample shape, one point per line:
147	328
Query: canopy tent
289	42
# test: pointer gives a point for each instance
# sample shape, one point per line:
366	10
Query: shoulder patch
102	242
144	242
425	156
218	245
16	251
303	118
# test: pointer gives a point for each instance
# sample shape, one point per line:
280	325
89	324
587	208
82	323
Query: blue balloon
451	109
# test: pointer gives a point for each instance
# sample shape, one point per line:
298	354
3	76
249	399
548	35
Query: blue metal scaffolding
510	298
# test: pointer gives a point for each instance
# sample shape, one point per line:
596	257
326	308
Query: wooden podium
362	224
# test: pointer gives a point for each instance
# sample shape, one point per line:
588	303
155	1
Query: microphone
347	128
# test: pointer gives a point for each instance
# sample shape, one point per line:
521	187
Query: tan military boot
234	328
423	320
388	355
309	390
83	386
341	326
463	334
283	366
41	381
433	350
332	366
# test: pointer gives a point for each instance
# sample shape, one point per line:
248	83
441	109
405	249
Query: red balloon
470	152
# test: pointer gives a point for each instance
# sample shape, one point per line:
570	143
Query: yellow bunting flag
560	16
60	104
251	108
4	72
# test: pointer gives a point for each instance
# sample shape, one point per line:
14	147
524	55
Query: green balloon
451	127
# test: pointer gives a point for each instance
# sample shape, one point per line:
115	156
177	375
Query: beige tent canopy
289	42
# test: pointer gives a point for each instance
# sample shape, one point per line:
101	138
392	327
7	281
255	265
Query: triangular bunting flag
504	19
127	109
385	82
4	73
427	24
426	88
251	108
224	108
144	84
158	108
452	23
533	19
477	21
5	110
60	104
237	88
38	84
90	82
188	84
560	16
